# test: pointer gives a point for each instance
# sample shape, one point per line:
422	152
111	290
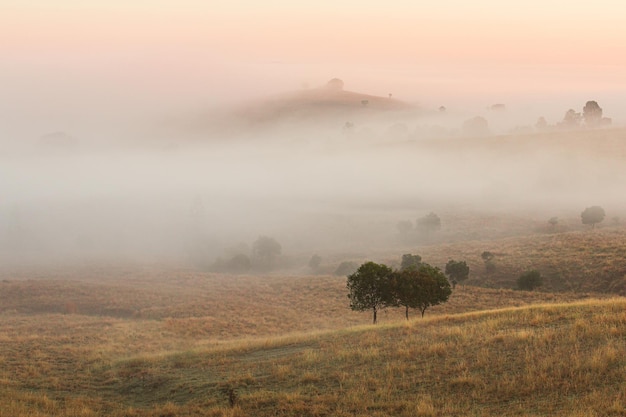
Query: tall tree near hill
420	288
370	288
592	215
458	271
592	113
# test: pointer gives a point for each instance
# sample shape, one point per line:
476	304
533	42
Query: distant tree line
262	257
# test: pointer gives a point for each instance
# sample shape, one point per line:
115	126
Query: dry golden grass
165	341
579	261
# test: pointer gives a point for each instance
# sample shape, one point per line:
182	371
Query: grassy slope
172	342
574	261
559	359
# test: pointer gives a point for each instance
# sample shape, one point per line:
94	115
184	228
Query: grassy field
167	341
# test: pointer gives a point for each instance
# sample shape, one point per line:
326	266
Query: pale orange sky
161	53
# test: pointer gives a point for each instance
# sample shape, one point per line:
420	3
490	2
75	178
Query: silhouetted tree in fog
315	262
571	120
429	223
592	215
487	257
592	113
265	250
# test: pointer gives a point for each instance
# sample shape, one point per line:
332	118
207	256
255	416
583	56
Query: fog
162	190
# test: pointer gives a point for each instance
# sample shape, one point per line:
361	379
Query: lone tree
529	280
553	222
592	113
592	215
488	259
370	288
265	249
410	261
429	223
419	288
457	271
315	262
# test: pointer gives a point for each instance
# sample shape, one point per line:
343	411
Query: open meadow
159	340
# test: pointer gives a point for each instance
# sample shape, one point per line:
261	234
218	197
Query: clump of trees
592	215
530	280
263	256
376	286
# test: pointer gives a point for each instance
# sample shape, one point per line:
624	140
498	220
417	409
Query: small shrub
530	280
346	268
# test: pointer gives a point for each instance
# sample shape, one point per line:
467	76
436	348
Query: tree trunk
423	311
407	312
374	315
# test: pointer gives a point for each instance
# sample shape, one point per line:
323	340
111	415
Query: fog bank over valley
321	170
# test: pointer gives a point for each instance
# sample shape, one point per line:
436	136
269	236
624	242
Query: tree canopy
458	271
370	288
592	215
420	288
410	261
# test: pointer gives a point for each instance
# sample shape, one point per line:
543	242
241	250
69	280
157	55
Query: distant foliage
404	227
553	221
429	223
346	268
571	120
315	262
265	250
541	124
592	215
410	261
238	264
592	113
419	288
458	271
477	126
487	257
530	280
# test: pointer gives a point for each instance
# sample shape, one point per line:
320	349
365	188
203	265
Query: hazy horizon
106	113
